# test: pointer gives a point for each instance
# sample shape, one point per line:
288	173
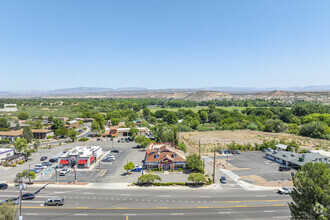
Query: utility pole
199	149
214	166
112	143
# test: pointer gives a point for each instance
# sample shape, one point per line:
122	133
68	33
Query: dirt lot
210	139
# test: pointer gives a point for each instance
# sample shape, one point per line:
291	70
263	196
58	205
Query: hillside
207	95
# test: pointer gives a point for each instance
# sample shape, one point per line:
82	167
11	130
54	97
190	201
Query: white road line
177	213
80	214
224	213
88	193
261	196
31	214
204	197
125	194
281	217
269	211
164	196
129	214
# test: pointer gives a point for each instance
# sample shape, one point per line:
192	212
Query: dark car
28	196
114	151
223	179
118	141
3	186
53	160
43	158
46	164
220	151
233	152
284	168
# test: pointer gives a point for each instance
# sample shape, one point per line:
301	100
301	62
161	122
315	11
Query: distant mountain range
96	90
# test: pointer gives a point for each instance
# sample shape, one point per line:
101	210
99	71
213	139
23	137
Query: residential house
74	124
11	135
281	147
42	133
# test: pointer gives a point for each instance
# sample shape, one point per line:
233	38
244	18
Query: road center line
129	214
224	213
80	214
177	213
269	211
31	214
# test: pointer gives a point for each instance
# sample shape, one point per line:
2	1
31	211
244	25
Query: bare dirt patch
258	180
211	139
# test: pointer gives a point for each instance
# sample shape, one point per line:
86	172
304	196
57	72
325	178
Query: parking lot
105	171
255	164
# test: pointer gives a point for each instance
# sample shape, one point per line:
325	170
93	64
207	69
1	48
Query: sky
160	44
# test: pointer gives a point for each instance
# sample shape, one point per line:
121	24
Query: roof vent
157	155
292	155
175	155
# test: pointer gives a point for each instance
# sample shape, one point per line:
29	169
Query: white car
284	190
64	171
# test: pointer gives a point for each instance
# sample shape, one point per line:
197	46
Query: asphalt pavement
154	204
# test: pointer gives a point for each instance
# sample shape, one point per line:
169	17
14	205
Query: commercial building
82	156
11	135
164	156
6	152
73	124
42	133
296	160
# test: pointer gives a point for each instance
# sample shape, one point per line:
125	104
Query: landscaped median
194	180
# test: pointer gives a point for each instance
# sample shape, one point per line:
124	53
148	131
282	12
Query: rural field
211	139
55	111
195	109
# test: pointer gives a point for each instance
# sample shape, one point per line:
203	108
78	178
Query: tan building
42	133
11	135
73	124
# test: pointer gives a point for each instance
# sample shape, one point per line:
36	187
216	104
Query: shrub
155	169
84	139
180	169
4	141
20	162
209	182
6	165
14	165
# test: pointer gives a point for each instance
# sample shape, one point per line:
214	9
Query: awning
91	159
82	161
64	162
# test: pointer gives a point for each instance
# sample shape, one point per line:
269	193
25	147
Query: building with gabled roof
165	156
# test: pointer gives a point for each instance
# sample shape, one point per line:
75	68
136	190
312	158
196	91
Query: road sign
73	158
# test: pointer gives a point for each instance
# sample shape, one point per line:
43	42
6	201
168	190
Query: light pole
55	174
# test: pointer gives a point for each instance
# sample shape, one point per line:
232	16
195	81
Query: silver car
54	202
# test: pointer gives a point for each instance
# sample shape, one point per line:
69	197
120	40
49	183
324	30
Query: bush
84	139
20	162
209	182
4	141
155	169
6	165
14	165
49	137
180	169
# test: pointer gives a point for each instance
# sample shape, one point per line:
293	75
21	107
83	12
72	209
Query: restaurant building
82	156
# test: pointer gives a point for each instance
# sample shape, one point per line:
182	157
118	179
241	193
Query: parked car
99	139
36	170
64	171
38	166
3	186
223	179
284	168
233	152
226	152
114	151
107	159
53	160
55	202
28	196
284	190
137	169
43	158
111	157
220	151
46	164
118	141
238	152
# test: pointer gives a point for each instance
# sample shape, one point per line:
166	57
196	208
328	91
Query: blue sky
164	43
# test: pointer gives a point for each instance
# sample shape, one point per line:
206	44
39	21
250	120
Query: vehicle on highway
284	168
55	202
114	151
43	158
284	190
28	196
223	179
3	186
13	201
53	160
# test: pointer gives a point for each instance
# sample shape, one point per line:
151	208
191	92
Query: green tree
146	113
27	133
4	124
197	178
57	123
23	115
194	163
275	125
182	147
50	118
61	131
36	144
143	141
171	118
20	144
311	192
204	116
25	174
160	133
100	120
27	152
148	178
8	211
37	124
314	129
96	127
133	132
129	166
17	127
175	135
293	129
194	123
72	135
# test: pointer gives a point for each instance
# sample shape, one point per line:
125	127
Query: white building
6	152
82	156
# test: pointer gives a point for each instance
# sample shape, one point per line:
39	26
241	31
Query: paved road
155	204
